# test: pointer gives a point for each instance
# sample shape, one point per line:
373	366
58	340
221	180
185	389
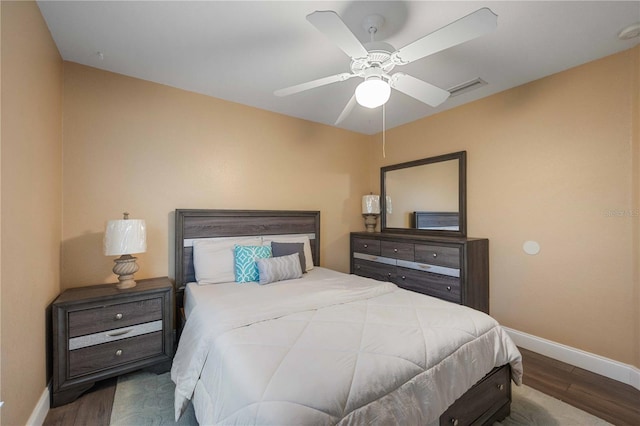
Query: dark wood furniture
472	255
192	224
493	391
101	331
450	268
434	220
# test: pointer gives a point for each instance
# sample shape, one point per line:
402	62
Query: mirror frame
461	156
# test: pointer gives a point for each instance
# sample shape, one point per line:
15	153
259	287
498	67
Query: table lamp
125	237
370	211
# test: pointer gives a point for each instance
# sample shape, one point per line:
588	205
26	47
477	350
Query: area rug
146	399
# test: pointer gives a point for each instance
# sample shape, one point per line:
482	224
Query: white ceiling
242	51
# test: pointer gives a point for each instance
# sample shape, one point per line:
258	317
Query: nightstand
100	332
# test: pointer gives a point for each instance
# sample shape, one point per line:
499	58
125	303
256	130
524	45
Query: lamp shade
371	204
125	236
373	92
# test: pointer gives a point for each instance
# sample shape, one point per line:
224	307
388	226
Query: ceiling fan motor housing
379	59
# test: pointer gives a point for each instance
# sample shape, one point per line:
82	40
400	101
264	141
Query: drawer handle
448	288
119	352
435	254
366	245
118	316
454	422
403	277
395	250
501	387
389	274
357	266
118	333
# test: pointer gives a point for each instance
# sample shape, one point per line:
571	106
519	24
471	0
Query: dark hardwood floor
92	408
612	401
608	399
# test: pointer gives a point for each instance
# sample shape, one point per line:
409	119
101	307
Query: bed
327	347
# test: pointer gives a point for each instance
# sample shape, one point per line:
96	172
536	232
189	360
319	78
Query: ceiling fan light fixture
373	92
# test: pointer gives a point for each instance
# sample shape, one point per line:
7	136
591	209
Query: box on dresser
450	268
101	331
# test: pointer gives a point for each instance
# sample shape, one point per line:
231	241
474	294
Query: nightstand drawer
113	335
100	357
119	315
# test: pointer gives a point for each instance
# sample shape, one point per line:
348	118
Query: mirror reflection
425	195
427	188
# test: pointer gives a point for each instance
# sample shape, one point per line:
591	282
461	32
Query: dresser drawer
436	285
365	245
100	357
493	391
438	255
396	250
375	270
119	315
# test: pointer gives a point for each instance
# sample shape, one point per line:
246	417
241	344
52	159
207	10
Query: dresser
450	268
101	331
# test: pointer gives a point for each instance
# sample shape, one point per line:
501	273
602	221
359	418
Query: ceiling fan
374	62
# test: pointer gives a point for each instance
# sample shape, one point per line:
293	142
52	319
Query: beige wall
551	161
31	203
136	146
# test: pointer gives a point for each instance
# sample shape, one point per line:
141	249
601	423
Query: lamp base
370	221
125	267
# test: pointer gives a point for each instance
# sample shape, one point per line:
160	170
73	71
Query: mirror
425	196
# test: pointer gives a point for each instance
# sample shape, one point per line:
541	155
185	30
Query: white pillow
295	239
213	258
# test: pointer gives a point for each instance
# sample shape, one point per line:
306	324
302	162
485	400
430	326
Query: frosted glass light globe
373	92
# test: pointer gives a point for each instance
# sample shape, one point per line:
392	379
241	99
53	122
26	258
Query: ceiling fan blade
313	84
478	23
330	24
347	109
418	89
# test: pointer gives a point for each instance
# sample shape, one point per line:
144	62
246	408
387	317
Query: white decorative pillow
295	239
281	268
213	258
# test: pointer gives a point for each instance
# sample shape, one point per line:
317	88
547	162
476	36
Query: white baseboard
615	370
41	409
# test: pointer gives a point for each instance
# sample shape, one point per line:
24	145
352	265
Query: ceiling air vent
467	86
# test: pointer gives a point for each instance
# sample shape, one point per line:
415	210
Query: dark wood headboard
192	224
434	220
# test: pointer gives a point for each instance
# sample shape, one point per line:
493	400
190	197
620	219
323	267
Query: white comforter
339	350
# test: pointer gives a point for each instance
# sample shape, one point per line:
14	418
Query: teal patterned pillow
245	261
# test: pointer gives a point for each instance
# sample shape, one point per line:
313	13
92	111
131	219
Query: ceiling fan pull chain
384	154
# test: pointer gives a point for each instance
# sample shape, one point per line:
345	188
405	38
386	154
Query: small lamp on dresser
371	211
125	237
